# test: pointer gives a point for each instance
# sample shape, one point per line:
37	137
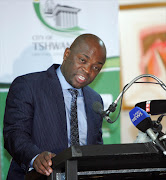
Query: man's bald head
88	39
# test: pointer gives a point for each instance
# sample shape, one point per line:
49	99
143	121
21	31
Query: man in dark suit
37	118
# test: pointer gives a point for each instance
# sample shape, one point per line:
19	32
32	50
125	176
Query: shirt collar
64	84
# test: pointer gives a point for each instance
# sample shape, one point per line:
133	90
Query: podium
116	161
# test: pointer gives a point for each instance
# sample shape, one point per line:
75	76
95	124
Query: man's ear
66	53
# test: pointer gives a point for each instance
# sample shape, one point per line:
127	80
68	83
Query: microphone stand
113	106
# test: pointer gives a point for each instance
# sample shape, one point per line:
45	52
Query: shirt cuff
31	163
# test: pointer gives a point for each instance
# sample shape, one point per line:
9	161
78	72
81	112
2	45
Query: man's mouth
81	79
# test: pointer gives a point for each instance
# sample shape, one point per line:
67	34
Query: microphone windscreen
153	107
97	107
140	119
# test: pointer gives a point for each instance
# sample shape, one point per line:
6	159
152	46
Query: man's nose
86	69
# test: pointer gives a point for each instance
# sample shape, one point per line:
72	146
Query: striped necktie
74	132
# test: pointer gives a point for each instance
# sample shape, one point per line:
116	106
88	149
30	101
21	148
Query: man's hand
43	162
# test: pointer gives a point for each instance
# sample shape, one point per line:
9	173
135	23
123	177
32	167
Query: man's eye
82	60
96	68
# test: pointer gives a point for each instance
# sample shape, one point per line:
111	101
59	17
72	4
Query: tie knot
73	92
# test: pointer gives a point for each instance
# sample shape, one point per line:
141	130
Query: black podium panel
123	161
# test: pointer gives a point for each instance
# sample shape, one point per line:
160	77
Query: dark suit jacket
35	119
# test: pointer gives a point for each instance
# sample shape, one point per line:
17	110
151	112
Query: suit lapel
89	114
56	91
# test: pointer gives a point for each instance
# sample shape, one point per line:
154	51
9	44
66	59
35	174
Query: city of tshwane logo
57	17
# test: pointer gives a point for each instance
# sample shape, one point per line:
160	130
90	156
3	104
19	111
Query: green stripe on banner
107	82
5	157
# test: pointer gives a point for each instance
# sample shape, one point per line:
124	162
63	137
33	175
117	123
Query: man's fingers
40	168
43	162
48	156
46	162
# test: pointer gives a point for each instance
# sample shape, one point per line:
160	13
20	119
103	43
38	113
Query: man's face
82	64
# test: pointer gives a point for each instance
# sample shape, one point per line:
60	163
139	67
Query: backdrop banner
34	35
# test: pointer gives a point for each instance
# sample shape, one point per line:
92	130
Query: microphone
142	121
153	107
98	108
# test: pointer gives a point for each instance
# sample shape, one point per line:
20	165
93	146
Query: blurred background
35	33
